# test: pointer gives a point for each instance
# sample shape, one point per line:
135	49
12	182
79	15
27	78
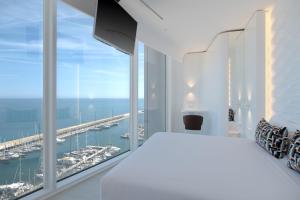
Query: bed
177	166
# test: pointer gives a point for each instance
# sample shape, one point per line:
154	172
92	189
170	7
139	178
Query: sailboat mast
85	139
77	141
20	171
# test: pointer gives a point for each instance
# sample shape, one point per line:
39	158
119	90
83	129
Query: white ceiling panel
192	24
176	27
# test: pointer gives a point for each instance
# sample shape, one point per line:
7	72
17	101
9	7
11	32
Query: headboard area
288	120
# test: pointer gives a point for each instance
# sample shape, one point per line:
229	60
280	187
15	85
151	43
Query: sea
23	117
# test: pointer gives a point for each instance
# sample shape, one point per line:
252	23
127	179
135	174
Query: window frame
49	91
51	186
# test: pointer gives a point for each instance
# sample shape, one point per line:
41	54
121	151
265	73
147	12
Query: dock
64	132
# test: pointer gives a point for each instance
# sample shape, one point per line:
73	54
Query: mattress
177	166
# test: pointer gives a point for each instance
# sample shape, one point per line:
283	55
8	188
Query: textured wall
285	64
254	90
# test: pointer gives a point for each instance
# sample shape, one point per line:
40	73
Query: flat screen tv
114	26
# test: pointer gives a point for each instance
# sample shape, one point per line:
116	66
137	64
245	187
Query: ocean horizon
21	117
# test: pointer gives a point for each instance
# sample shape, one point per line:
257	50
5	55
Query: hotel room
149	99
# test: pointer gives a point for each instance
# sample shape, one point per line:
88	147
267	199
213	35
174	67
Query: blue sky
86	68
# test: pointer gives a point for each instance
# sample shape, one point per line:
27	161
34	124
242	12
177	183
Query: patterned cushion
294	152
272	138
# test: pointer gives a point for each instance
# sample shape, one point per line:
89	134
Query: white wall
200	83
285	64
237	83
185	88
254	91
177	95
214	86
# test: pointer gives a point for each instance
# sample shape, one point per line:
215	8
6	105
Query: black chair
193	122
231	115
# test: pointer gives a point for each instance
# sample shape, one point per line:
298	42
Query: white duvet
175	166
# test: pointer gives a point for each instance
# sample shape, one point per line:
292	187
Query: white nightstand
234	129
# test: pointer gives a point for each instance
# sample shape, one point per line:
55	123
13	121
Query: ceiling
186	25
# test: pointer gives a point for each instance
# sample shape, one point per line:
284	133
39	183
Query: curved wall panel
285	64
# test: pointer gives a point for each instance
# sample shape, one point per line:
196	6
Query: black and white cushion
272	138
294	152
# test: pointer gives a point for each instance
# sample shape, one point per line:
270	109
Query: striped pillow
294	152
272	138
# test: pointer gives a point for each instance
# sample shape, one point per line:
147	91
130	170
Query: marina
20	147
69	164
14	190
78	160
79	147
141	134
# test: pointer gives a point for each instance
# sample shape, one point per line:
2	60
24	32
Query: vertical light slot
268	65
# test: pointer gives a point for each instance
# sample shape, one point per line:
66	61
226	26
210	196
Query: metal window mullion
146	93
49	94
134	99
169	93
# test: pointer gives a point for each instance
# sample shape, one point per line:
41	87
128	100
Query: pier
64	132
67	164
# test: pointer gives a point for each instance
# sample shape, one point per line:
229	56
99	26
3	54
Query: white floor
87	190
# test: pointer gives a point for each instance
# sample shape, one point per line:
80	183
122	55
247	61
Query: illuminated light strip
269	62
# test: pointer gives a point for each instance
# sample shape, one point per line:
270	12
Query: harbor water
23	117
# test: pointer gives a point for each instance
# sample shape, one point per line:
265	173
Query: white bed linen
178	166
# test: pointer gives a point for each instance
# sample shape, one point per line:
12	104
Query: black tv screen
114	26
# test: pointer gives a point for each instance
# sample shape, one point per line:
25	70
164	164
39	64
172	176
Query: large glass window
21	87
92	95
92	108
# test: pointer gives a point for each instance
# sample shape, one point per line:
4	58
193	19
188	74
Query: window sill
67	183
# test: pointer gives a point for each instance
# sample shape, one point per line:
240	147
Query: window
92	95
92	99
21	93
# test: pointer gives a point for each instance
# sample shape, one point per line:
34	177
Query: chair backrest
231	115
192	122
